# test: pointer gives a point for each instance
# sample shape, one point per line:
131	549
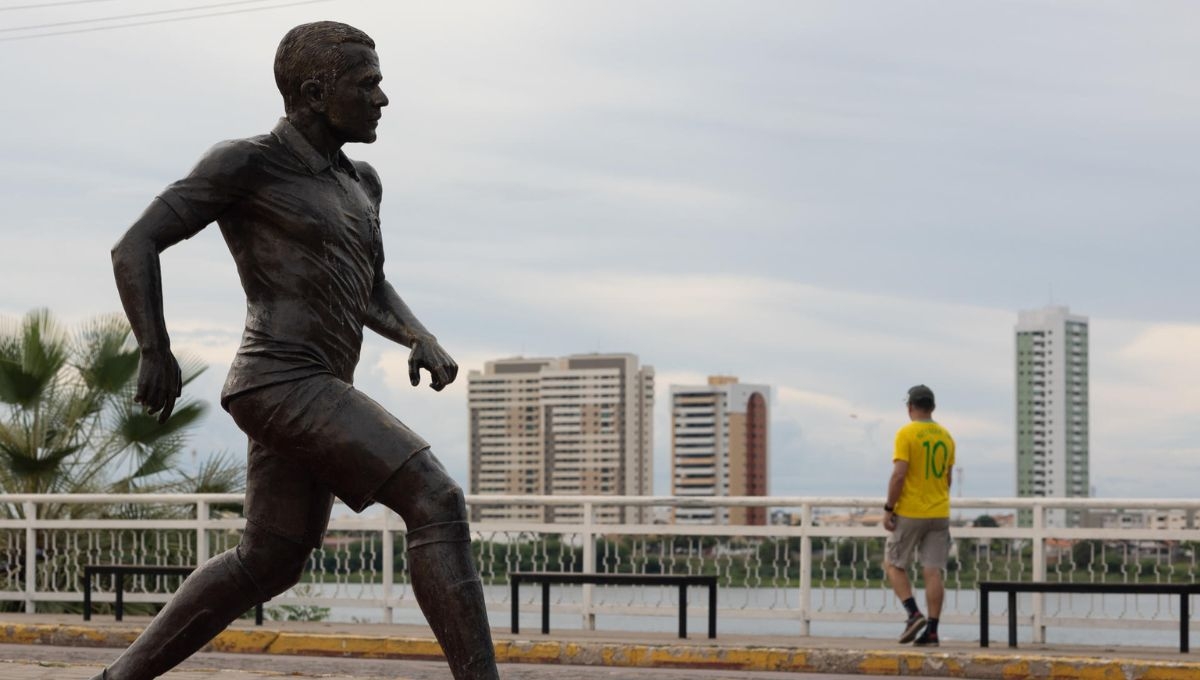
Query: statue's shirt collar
310	157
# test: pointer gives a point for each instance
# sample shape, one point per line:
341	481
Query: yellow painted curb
958	664
243	641
355	646
533	652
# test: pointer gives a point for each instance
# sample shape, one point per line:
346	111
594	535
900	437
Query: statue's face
355	104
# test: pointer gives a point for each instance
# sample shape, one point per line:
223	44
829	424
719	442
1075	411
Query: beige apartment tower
574	425
719	448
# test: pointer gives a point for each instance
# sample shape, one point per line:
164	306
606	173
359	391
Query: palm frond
157	459
190	367
107	358
31	355
141	429
218	473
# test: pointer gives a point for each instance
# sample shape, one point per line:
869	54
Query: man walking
918	514
302	223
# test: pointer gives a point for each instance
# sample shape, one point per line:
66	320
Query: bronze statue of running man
302	223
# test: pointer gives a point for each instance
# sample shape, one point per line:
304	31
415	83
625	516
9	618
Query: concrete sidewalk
647	650
24	671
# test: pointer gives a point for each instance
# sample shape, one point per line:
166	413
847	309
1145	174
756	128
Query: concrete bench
1183	590
515	578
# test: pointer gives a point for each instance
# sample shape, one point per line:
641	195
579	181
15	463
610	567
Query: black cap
920	393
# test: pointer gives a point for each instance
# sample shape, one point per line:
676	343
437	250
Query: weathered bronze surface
302	223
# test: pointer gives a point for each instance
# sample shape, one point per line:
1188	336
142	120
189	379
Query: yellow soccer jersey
929	450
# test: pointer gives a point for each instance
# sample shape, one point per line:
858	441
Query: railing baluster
202	549
388	544
1039	571
806	569
30	557
589	564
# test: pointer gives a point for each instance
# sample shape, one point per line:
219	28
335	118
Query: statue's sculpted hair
313	52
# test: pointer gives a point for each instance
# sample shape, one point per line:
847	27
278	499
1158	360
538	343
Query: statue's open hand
429	355
160	383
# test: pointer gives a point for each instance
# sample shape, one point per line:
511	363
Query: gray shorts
930	537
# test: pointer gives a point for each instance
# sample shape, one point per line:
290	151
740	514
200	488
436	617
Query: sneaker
926	640
912	626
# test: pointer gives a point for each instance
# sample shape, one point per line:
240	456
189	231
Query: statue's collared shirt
304	233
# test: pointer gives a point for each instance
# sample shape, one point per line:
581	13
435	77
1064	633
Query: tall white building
575	425
719	447
1052	408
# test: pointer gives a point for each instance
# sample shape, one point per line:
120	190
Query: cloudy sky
839	199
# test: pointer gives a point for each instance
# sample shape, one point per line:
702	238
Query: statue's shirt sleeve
217	183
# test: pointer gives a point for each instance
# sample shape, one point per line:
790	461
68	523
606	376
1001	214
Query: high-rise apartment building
1052	408
719	448
575	425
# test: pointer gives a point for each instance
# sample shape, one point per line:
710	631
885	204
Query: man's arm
389	316
895	486
139	282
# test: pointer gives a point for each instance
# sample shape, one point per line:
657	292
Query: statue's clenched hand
428	354
160	383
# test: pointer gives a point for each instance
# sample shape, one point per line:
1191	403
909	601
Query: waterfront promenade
610	654
820	576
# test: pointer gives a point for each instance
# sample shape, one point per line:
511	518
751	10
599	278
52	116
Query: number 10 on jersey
937	454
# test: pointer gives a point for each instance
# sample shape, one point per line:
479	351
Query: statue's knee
274	578
274	563
438	498
442	518
449	503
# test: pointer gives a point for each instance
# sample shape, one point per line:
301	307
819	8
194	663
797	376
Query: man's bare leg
899	579
903	589
221	590
935	591
443	572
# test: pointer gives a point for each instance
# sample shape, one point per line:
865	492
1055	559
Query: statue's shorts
311	440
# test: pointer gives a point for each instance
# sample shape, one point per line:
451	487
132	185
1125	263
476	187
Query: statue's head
330	70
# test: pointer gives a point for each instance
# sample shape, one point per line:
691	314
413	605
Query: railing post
30	557
1039	571
589	564
389	565
805	570
202	547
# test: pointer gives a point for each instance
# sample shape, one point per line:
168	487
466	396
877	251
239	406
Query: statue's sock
451	596
209	600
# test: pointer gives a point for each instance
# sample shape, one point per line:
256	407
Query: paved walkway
640	650
38	662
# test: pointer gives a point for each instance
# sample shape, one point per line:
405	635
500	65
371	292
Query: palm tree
68	424
71	425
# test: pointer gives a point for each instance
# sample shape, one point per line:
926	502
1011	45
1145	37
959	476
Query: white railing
825	568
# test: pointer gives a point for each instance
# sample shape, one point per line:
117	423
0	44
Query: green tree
69	423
